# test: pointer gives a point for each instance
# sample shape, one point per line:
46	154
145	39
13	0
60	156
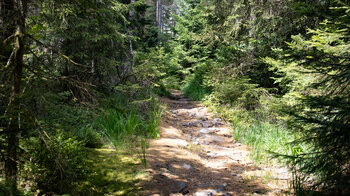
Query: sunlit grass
267	139
195	91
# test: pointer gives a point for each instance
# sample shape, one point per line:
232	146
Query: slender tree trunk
14	126
159	19
174	21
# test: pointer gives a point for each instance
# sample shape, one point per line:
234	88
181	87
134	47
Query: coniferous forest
82	83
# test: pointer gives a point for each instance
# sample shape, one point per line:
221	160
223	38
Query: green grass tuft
267	139
195	91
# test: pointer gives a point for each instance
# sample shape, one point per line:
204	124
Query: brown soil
196	155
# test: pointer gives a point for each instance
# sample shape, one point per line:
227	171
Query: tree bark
14	126
159	19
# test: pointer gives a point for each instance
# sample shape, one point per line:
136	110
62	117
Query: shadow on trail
216	181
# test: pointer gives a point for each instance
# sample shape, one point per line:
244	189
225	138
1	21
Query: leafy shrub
240	92
195	84
56	162
5	190
89	136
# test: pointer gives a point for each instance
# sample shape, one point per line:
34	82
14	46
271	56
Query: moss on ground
114	172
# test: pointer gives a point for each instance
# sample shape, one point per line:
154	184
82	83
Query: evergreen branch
57	51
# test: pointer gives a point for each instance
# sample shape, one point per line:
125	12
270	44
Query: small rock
195	143
217	123
211	155
186	166
217	119
193	124
180	186
216	139
182	143
205	125
204	131
238	144
226	194
185	192
203	193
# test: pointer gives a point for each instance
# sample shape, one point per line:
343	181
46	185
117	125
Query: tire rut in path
196	155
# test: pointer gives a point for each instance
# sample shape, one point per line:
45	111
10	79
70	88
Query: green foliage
267	140
117	126
320	113
259	129
5	190
115	171
158	71
123	122
89	136
239	92
195	84
56	162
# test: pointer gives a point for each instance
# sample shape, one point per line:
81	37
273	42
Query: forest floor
196	155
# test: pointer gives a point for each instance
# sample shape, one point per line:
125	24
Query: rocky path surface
197	156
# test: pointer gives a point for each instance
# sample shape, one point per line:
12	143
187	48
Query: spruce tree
321	114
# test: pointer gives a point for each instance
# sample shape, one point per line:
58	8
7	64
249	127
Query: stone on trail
180	186
212	155
216	139
189	167
203	193
204	131
205	125
182	143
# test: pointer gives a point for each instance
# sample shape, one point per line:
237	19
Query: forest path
197	156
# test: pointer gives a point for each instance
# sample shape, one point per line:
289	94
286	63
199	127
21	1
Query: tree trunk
159	19
174	21
14	127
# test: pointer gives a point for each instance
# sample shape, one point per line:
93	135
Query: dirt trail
196	155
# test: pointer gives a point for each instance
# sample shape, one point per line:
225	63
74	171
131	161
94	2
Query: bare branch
13	35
